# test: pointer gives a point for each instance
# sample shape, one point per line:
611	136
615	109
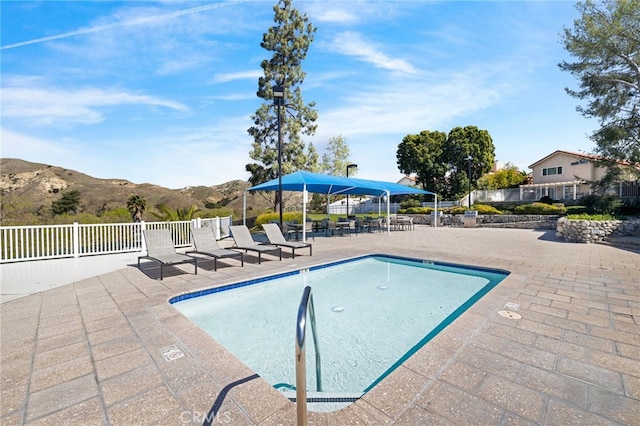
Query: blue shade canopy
327	184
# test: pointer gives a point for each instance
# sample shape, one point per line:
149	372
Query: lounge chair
160	249
244	241
276	238
205	244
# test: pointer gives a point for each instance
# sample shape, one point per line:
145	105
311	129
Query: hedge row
534	208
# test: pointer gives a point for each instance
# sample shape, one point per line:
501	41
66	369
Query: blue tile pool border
240	284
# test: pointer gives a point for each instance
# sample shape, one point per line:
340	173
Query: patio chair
393	223
351	228
161	249
375	225
205	244
290	230
362	225
308	229
331	228
244	241
276	238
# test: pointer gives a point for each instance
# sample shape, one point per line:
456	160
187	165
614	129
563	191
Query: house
564	175
408	180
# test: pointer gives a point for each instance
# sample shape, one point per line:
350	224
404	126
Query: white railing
24	243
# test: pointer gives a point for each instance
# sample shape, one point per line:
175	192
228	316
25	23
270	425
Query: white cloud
334	15
47	106
352	12
238	75
350	43
141	20
414	105
30	148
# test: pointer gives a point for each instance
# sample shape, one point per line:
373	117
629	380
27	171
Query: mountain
28	189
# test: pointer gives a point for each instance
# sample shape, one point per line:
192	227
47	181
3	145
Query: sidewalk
20	279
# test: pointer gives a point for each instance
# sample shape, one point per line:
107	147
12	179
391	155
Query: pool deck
110	350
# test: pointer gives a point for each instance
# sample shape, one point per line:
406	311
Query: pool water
372	313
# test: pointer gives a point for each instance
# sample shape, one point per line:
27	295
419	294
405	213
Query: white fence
23	243
373	207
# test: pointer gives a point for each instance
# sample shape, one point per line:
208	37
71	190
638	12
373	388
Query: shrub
587	216
630	209
416	210
407	204
480	208
539	208
576	210
270	217
547	200
117	215
602	204
484	209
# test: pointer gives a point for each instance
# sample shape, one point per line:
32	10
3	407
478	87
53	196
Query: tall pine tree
289	40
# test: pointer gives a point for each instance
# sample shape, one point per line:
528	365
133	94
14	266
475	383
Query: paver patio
91	352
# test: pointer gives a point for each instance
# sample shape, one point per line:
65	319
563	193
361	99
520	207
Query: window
550	171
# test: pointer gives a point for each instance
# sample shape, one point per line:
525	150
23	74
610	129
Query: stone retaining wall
521	221
584	231
591	231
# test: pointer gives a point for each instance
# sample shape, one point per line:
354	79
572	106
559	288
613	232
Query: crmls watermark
191	417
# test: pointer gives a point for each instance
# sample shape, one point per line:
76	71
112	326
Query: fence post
217	227
76	240
143	244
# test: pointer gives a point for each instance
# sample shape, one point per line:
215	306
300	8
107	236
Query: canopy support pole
244	208
304	213
435	219
388	212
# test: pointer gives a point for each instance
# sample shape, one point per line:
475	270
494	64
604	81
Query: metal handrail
301	373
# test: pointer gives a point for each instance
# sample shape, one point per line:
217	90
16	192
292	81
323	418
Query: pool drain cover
509	314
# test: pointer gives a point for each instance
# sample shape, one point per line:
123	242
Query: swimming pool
372	313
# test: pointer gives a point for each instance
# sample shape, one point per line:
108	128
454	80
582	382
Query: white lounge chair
205	244
244	241
161	249
276	238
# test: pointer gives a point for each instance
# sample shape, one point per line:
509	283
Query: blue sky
162	92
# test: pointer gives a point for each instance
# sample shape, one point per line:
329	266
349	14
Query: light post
350	166
278	101
469	160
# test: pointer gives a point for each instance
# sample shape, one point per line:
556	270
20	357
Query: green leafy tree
461	143
335	158
507	177
440	160
605	41
167	214
422	155
136	206
68	203
289	40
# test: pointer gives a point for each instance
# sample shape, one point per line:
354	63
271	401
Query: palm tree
167	214
136	206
